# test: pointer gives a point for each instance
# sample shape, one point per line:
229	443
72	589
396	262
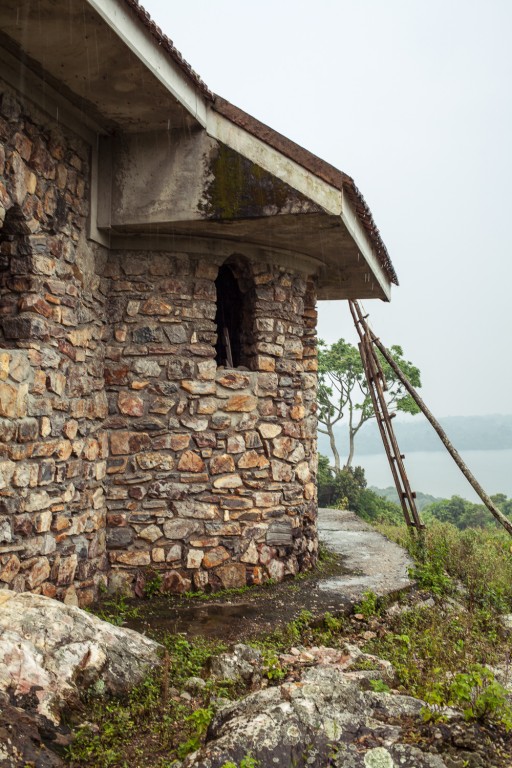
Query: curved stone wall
129	450
52	404
211	474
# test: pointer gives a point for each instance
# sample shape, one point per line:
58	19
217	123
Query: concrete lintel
216	249
332	200
118	17
268	158
354	226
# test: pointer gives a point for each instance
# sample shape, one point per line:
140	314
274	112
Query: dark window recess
229	319
14	263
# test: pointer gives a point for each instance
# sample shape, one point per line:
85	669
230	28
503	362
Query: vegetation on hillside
447	642
347	489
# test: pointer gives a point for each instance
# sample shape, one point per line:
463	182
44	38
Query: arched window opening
14	250
228	319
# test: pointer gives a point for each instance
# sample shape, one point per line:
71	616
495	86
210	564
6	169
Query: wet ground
361	559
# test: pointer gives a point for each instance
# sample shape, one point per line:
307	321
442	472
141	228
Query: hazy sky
413	99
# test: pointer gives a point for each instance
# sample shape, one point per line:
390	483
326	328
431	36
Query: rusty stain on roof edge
277	141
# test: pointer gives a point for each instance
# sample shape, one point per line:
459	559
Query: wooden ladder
377	386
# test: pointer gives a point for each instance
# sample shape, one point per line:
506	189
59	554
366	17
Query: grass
441	653
154	724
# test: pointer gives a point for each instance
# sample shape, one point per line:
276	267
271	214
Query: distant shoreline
467	433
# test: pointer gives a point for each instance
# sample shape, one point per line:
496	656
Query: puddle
208	619
360	559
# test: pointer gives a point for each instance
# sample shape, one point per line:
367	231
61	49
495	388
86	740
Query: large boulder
28	739
51	652
324	718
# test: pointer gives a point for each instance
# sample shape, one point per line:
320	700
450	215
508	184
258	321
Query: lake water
436	473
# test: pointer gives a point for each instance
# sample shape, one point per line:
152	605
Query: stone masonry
127	450
53	447
211	470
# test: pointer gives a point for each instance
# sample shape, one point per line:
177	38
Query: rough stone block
269	431
23	327
177	528
155	460
241	403
280	534
135	559
191	462
234	380
152	533
174	582
118	538
9	568
253	460
198	387
13	400
232	576
222	464
195	509
215	557
195	558
37	570
228	481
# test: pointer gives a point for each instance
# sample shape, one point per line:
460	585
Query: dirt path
364	560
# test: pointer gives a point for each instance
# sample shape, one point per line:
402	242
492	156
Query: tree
466	514
343	391
347	489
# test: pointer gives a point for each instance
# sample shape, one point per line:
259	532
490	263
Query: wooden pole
377	386
491	506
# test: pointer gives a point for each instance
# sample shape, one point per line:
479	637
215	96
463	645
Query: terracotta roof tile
169	47
319	168
294	151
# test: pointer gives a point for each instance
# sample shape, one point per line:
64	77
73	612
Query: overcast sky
413	99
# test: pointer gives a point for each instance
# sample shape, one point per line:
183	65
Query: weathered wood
377	386
491	506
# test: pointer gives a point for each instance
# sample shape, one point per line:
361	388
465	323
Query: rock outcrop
325	716
49	651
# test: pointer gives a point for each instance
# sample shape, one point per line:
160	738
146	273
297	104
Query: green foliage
117	610
441	654
271	667
369	605
200	719
246	762
379	686
325	473
152	584
466	514
148	721
347	489
476	692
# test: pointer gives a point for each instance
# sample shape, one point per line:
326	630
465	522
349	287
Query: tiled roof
169	47
317	167
290	149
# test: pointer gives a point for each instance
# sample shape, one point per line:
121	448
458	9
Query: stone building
161	256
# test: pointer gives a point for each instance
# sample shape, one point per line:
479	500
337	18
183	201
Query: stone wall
52	403
211	472
112	394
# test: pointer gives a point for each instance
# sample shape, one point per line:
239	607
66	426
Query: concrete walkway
371	561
